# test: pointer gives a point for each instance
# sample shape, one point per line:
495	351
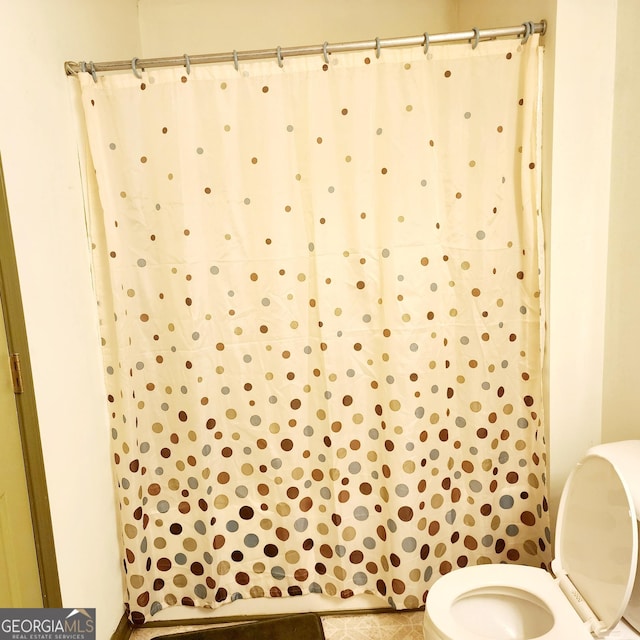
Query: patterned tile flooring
379	626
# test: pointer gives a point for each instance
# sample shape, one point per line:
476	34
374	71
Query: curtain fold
322	324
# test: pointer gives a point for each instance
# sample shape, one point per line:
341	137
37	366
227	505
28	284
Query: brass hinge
16	373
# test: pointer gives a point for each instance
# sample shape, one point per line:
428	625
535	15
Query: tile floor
380	626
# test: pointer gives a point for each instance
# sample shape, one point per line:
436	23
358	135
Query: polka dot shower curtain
322	324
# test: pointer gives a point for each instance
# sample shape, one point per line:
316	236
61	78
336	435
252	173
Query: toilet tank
625	457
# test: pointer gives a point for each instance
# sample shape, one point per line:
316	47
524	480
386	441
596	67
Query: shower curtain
319	289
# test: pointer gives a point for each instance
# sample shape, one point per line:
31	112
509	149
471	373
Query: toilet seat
596	556
537	584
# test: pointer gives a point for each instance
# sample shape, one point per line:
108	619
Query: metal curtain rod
473	36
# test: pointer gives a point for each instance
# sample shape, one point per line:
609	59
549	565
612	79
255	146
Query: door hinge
16	373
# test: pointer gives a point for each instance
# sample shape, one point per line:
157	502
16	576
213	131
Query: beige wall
621	419
168	27
37	143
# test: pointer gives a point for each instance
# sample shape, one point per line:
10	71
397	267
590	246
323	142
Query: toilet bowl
593	581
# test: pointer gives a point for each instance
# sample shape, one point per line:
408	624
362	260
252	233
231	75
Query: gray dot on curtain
278	573
360	578
475	486
361	513
402	491
506	502
251	540
369	543
409	545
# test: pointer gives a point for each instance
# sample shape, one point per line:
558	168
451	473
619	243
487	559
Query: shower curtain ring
279	56
426	43
528	31
134	68
187	63
325	53
377	47
92	71
235	60
476	37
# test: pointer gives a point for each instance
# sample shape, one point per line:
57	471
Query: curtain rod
473	36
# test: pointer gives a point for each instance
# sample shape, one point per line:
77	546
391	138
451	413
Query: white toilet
596	559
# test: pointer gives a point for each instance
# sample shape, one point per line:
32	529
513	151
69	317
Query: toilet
594	581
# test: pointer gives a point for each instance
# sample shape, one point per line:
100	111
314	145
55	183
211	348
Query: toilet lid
597	538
